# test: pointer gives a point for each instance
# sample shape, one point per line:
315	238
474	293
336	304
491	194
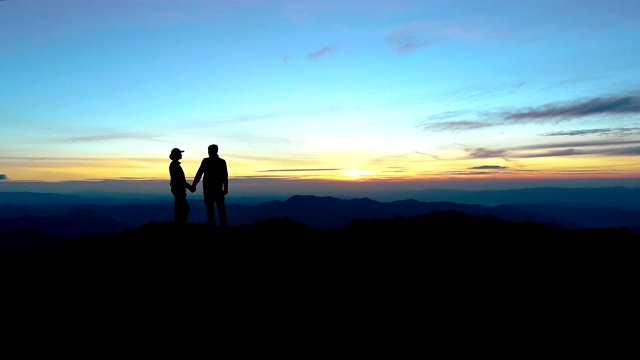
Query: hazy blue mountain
618	197
397	241
328	212
26	242
31	198
78	216
588	217
80	222
26	234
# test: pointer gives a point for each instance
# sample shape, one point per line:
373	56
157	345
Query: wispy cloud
489	167
239	118
418	35
322	51
482	153
574	144
395	158
456	125
566	148
105	137
601	131
554	153
297	170
626	151
548	113
471	173
408	38
395	169
425	154
597	106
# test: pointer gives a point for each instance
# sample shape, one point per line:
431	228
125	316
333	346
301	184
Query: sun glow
357	174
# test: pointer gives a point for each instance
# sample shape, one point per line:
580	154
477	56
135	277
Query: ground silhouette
162	244
444	268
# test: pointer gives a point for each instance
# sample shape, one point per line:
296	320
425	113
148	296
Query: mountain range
317	260
42	220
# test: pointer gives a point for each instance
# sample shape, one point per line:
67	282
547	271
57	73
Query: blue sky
389	92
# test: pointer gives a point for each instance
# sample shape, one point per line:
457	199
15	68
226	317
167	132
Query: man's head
213	149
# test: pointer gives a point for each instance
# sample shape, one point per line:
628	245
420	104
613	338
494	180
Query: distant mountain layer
617	197
68	220
395	240
318	212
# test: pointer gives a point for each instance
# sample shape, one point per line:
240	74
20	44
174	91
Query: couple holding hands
215	185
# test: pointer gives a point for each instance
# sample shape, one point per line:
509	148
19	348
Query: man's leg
222	211
209	202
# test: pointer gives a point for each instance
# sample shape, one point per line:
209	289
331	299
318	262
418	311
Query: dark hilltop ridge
79	231
275	239
279	266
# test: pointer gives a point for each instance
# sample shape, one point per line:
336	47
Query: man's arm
196	179
225	179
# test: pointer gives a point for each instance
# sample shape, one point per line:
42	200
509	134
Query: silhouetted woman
179	185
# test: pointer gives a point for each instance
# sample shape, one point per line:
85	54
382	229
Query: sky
312	95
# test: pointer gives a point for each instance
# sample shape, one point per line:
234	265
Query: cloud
566	148
407	44
418	35
402	157
596	106
425	154
395	169
603	131
80	139
240	118
481	153
553	153
455	125
3	177
288	170
471	173
625	151
548	113
408	38
574	144
322	51
489	167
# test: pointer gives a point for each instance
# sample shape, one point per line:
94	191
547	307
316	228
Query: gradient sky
406	90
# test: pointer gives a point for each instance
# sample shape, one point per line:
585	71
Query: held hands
192	188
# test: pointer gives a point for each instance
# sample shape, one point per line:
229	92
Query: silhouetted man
215	185
179	185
